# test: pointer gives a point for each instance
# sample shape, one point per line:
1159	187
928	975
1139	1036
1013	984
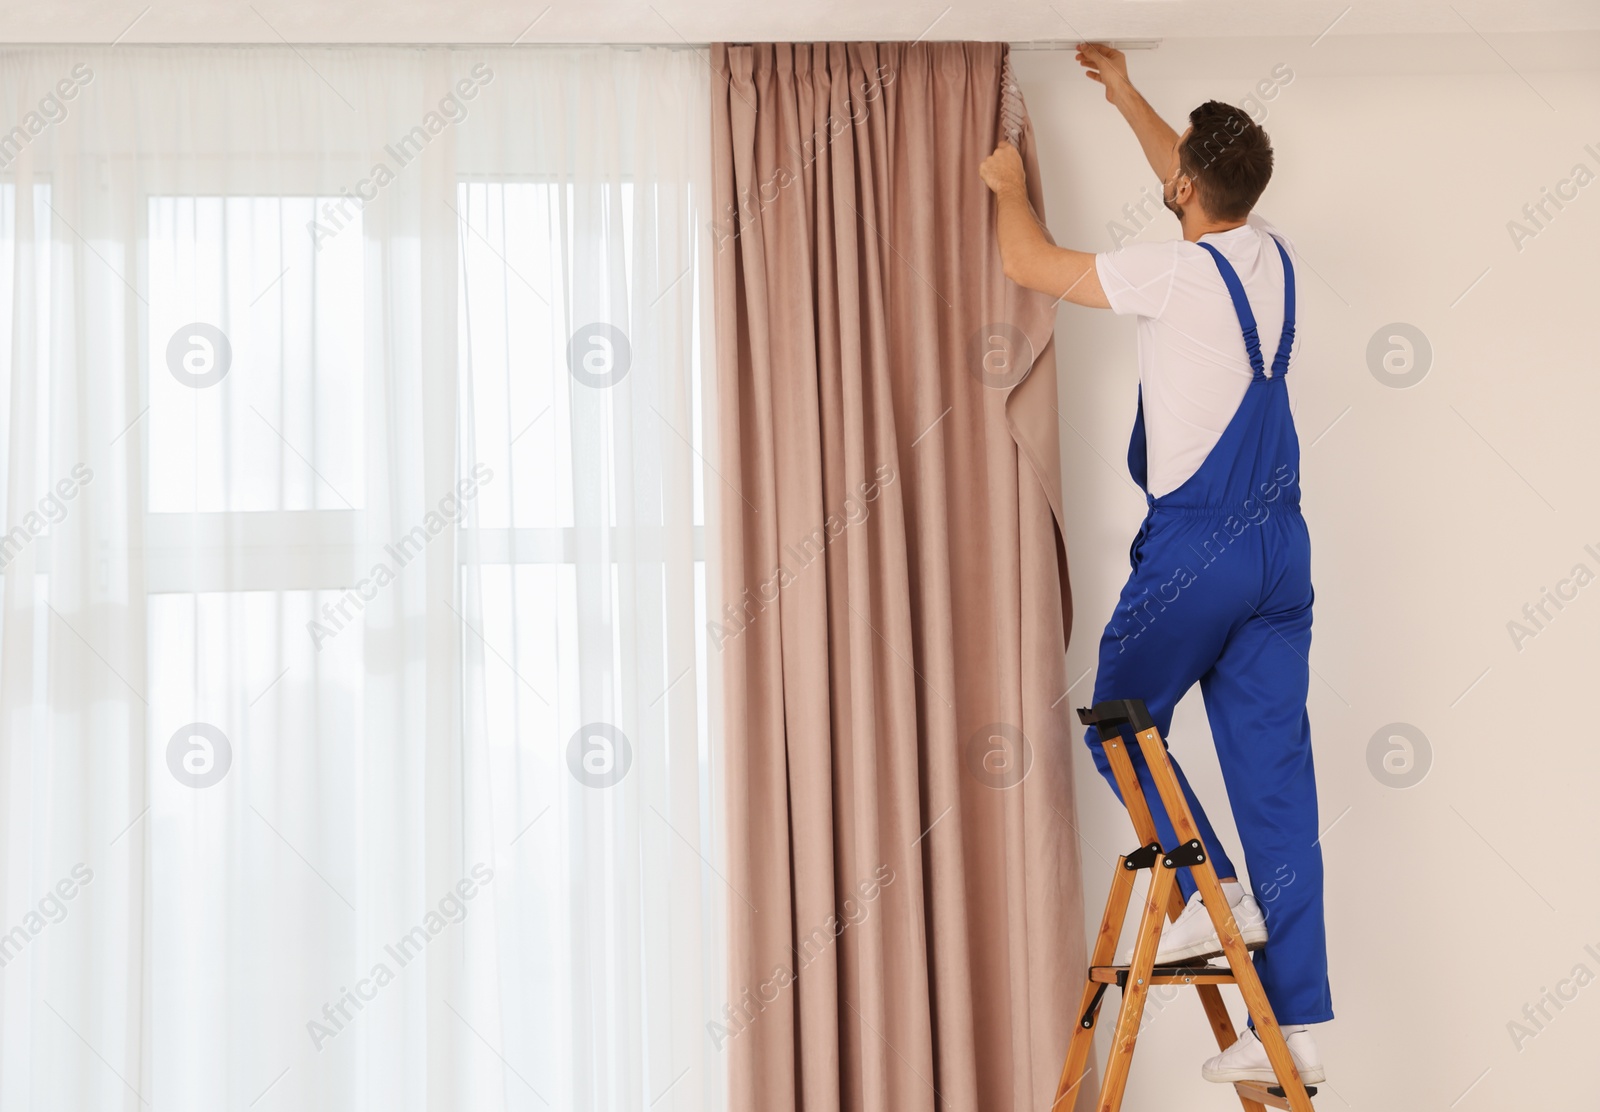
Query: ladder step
1164	975
1270	1095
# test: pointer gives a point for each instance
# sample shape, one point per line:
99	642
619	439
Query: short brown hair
1228	157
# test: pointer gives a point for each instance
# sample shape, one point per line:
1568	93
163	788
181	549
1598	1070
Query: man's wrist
1125	98
1017	190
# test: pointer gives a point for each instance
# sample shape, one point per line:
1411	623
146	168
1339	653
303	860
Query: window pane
512	344
256	357
516	325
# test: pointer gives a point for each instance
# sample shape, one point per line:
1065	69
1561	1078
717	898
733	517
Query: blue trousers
1225	600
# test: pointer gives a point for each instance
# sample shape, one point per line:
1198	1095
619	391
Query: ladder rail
1144	823
1126	1032
1103	952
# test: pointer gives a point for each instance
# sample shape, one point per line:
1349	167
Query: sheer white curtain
354	748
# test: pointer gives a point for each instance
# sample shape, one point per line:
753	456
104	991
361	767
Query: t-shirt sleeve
1137	279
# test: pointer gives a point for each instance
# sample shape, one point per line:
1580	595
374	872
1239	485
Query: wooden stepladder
1165	899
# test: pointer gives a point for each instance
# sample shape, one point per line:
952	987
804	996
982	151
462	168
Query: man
1220	590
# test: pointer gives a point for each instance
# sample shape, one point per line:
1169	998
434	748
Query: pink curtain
907	923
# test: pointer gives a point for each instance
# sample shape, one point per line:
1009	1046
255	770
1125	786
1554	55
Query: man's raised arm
1110	68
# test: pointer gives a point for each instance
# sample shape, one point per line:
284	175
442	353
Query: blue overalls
1220	593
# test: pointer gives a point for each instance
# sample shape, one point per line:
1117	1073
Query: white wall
1436	513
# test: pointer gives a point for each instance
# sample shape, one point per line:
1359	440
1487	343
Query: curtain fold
894	603
353	742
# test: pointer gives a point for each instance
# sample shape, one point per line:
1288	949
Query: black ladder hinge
1142	858
1190	853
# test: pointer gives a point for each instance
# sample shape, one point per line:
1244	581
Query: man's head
1223	162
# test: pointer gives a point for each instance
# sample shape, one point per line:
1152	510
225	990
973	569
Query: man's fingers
1095	53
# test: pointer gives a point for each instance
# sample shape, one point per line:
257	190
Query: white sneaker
1191	937
1246	1060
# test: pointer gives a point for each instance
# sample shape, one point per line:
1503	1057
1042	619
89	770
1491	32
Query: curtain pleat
894	596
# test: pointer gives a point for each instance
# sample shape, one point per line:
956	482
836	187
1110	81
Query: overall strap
1280	362
1247	318
1241	306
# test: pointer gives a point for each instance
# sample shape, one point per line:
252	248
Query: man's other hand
1002	171
1103	64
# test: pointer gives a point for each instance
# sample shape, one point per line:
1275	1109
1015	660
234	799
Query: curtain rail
1051	44
1063	44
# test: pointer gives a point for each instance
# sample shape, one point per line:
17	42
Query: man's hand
1109	67
1002	171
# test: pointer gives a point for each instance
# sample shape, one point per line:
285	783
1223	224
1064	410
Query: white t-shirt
1192	364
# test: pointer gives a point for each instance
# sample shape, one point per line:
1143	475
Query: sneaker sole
1254	939
1314	1076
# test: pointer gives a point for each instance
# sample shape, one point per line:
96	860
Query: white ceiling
698	21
